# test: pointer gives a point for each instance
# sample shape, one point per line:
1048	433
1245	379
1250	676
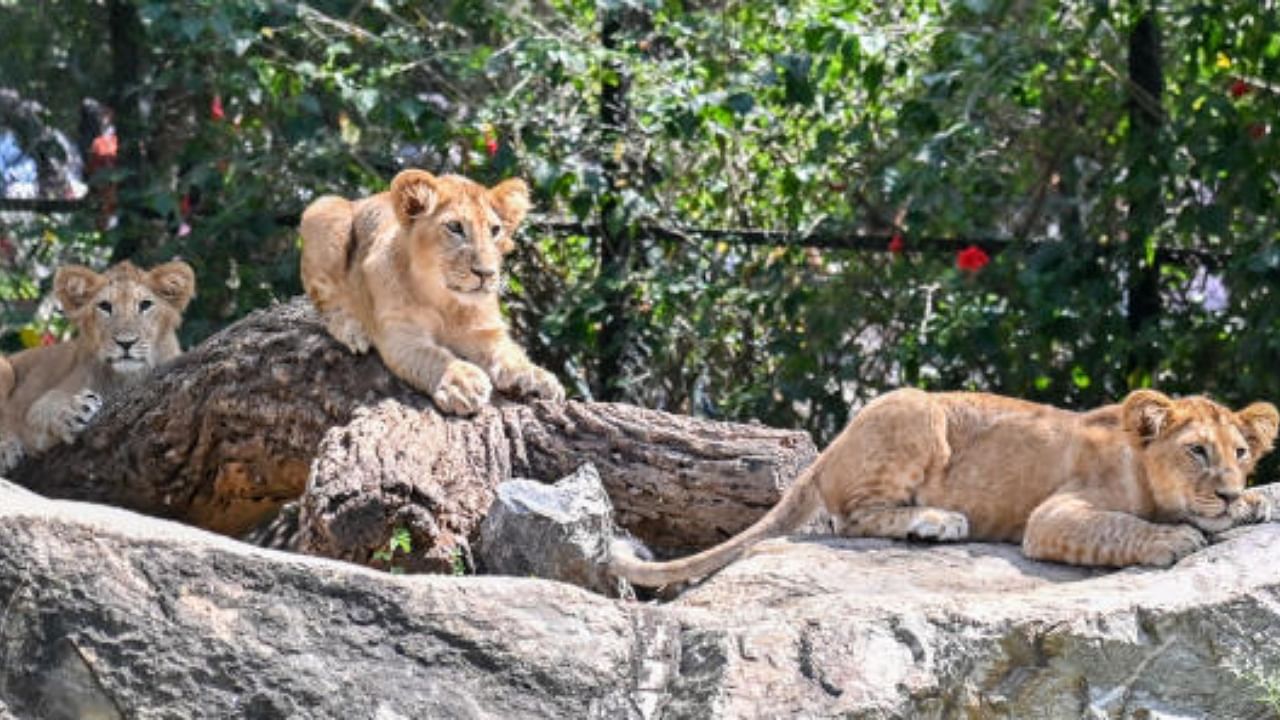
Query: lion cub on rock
126	321
1128	484
415	272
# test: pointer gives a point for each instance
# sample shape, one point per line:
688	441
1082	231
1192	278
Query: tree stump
272	409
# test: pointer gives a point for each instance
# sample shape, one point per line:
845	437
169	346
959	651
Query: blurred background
744	209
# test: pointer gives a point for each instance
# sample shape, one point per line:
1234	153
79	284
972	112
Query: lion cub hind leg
328	247
347	330
903	523
1067	529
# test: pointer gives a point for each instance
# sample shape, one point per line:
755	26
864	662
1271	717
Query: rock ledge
108	614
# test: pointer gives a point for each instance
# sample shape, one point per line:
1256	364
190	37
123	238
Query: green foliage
975	119
1267	688
458	562
398	546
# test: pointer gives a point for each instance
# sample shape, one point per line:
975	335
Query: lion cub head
1197	453
458	230
127	318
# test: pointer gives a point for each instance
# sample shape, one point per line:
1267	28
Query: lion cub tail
793	510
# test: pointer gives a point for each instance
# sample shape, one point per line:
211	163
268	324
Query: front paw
528	380
1172	543
11	453
1251	507
462	390
77	414
938	525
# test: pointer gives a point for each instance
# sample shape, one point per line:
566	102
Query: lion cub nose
126	344
484	272
1227	494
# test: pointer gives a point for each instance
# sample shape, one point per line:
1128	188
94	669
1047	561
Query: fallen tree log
232	430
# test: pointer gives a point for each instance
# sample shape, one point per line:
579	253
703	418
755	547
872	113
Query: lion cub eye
144	306
105	307
1241	453
455	228
495	231
1199	452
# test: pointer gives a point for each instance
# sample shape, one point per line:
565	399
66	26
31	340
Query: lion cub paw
462	390
528	381
1173	543
348	331
76	415
939	525
12	452
1252	507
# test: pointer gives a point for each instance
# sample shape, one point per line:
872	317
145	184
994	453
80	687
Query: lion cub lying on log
126	321
415	272
1127	484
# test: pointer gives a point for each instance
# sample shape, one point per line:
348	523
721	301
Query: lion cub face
458	230
1197	453
125	316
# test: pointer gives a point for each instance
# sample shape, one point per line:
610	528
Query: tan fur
126	320
1117	486
388	271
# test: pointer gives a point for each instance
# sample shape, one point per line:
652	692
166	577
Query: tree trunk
128	84
1146	168
233	429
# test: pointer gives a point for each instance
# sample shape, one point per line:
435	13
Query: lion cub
126	321
1128	484
415	272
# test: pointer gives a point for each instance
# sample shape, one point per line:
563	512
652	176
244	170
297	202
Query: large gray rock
107	614
558	531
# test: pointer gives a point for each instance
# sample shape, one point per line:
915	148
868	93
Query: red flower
184	205
491	145
972	259
215	108
1258	130
102	153
1240	88
48	339
896	243
105	147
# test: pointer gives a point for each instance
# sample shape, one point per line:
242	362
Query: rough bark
230	431
677	483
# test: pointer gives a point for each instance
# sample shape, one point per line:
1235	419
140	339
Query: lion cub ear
510	200
1146	413
1259	423
413	194
75	285
174	282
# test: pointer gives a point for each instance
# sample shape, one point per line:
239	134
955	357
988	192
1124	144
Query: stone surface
559	532
108	614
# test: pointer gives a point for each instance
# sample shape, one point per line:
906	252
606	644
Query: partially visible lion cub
127	321
415	272
1128	484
